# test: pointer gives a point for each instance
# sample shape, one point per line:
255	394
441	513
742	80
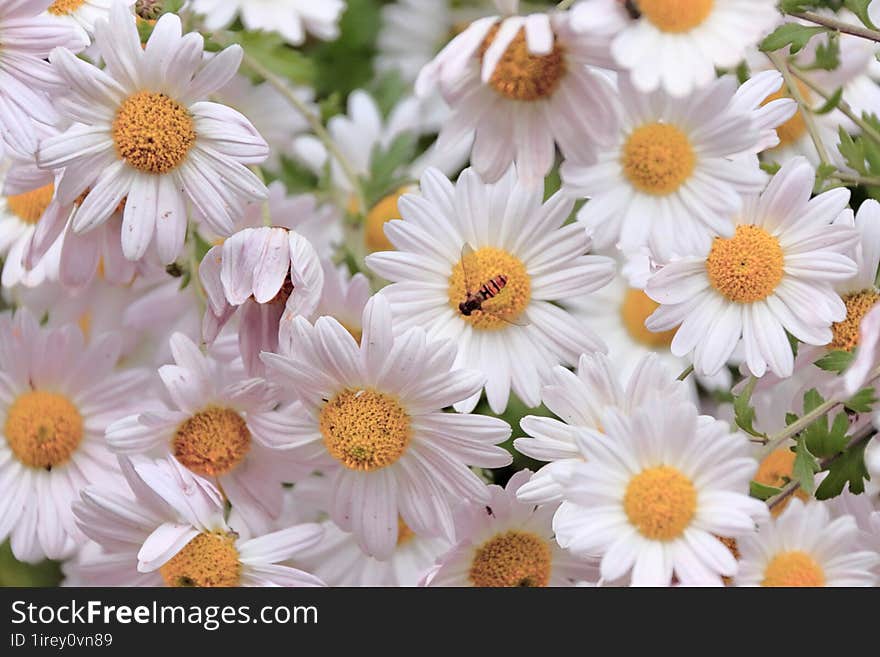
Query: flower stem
686	373
801	423
835	24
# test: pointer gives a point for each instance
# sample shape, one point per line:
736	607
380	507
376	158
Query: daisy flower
671	180
519	334
209	429
344	297
580	399
524	85
371	416
774	274
169	529
289	18
506	543
657	490
805	547
678	44
81	15
265	275
142	133
26	79
319	223
57	396
338	559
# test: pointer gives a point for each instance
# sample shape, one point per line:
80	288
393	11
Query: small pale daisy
580	399
289	18
81	15
208	429
524	85
519	334
804	547
169	529
267	276
506	543
371	414
678	44
142	133
671	181
57	396
656	492
26	79
775	274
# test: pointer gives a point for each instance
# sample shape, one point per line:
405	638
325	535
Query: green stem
800	424
835	24
686	373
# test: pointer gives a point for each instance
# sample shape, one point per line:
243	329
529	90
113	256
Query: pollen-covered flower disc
142	131
655	493
503	242
57	396
524	85
677	172
678	44
507	543
804	547
774	274
370	415
165	526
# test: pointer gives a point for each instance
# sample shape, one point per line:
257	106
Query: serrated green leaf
848	469
744	412
812	400
861	402
762	491
831	104
860	9
824	442
805	466
794	35
835	361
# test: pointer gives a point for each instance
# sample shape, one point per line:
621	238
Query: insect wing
467	252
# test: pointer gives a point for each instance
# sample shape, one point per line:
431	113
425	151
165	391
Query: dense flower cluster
580	297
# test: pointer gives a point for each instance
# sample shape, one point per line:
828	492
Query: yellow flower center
658	158
676	15
30	206
384	210
514	558
404	533
43	429
364	429
777	470
660	502
795	128
746	267
480	268
847	333
64	7
209	559
637	307
152	132
521	75
212	442
794	568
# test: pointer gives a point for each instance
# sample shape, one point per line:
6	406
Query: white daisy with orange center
81	15
523	85
168	527
209	428
26	79
292	19
57	397
804	547
675	175
678	44
503	243
507	543
580	400
774	274
370	415
142	133
655	492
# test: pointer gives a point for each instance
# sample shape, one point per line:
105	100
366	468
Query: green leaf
860	9
272	52
848	469
805	466
791	34
744	412
835	361
827	54
762	491
793	343
831	104
824	442
861	402
385	165
812	400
